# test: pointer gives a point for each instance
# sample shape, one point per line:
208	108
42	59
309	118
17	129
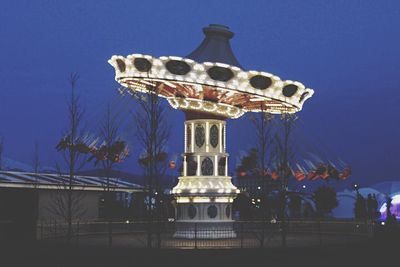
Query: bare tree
67	202
284	154
36	167
263	126
111	152
153	134
1	152
72	146
36	158
284	148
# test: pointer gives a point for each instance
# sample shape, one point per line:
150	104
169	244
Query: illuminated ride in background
209	86
394	208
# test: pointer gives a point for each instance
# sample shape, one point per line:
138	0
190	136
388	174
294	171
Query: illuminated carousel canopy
210	80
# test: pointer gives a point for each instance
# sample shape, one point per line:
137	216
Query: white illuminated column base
204	194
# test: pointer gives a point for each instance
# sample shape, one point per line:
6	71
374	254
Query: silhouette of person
394	220
389	217
370	206
374	206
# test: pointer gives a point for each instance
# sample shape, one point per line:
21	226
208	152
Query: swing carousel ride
209	86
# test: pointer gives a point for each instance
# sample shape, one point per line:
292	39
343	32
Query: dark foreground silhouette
382	250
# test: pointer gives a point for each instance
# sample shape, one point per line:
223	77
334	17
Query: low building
27	199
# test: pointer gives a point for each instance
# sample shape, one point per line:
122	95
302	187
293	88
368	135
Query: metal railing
241	234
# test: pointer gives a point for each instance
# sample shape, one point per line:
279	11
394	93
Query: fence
240	234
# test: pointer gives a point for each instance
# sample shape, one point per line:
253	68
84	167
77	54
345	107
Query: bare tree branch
36	158
152	133
1	152
67	201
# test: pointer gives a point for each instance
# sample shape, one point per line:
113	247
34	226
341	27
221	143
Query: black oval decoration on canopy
260	82
121	65
289	90
142	64
220	73
177	67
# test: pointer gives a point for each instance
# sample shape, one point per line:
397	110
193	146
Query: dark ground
377	252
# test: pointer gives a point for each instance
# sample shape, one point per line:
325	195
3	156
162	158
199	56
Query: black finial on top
215	46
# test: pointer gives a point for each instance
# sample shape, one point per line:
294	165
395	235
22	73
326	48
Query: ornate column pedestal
204	193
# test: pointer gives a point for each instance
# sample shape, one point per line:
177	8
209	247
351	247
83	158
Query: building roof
60	181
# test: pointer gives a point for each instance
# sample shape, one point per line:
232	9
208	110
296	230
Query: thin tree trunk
108	208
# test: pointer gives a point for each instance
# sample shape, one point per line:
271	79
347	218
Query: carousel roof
215	47
210	80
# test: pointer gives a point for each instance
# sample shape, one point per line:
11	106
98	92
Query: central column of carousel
204	193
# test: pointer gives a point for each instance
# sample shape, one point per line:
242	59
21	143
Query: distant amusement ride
209	86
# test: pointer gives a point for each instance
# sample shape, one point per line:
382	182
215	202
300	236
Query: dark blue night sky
346	50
